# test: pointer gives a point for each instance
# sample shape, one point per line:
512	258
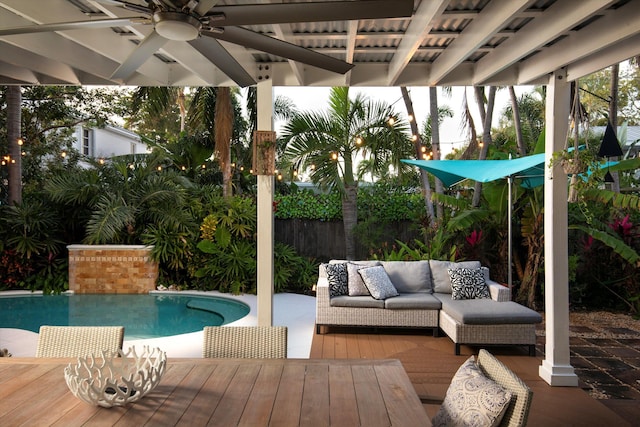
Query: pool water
143	316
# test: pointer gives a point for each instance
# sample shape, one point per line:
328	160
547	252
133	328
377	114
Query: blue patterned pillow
468	283
378	283
337	278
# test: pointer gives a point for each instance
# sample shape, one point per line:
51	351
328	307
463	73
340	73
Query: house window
86	142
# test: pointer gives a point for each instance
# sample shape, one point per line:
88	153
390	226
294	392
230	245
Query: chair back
76	341
245	342
518	410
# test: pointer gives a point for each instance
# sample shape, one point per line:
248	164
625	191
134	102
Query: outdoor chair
245	342
76	341
517	410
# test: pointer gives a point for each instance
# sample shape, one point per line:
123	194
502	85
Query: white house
109	141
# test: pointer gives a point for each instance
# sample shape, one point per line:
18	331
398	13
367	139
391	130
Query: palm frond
111	217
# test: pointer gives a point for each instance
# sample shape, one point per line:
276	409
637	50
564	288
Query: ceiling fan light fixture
177	26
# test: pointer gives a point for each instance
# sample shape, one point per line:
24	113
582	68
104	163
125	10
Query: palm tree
330	142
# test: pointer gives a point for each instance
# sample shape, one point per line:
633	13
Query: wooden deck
430	363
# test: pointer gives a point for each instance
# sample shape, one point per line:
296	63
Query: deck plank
430	364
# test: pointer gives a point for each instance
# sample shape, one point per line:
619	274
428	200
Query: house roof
444	42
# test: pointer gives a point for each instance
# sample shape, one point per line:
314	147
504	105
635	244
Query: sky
451	136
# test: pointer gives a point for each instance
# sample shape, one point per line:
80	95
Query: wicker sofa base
490	334
327	315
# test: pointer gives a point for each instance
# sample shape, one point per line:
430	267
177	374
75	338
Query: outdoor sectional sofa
420	296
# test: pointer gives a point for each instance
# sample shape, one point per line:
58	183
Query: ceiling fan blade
139	56
251	39
222	59
204	6
64	26
277	13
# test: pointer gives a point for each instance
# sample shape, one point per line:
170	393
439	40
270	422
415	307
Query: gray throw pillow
355	284
337	278
377	282
468	283
472	399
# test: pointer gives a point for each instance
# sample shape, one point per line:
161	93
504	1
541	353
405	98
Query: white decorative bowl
115	378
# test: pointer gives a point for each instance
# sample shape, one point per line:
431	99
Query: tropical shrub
226	259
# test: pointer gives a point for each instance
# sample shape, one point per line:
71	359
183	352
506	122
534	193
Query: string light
251	171
241	168
313	167
101	161
204	166
295	172
279	177
424	149
20	141
410	117
334	156
392	121
159	168
184	168
63	154
131	166
414	137
358	140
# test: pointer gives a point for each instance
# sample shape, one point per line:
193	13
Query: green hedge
385	203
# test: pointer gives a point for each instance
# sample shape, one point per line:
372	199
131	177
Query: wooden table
224	392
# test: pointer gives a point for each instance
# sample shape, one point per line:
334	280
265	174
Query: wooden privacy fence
324	240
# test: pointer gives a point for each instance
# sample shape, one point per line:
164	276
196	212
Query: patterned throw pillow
337	277
355	283
472	399
378	283
468	283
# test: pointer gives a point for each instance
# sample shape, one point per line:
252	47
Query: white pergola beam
352	34
558	19
603	34
420	25
492	18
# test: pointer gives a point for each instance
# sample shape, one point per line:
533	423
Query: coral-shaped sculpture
115	378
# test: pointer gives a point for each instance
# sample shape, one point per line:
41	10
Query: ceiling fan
202	23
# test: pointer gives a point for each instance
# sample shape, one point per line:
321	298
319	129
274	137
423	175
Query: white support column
266	187
556	368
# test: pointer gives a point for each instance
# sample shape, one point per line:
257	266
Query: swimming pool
143	316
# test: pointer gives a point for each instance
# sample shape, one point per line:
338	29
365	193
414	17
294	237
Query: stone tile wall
111	269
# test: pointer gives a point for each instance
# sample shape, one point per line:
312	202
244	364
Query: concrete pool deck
297	312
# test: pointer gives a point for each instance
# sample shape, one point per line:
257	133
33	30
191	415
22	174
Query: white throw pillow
468	283
377	282
472	399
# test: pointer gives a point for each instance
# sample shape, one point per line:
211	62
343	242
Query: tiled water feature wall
111	269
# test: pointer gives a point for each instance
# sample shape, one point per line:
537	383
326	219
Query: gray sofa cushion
440	275
487	311
357	301
409	276
413	300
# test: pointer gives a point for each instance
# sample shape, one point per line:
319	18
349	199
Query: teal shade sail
529	169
